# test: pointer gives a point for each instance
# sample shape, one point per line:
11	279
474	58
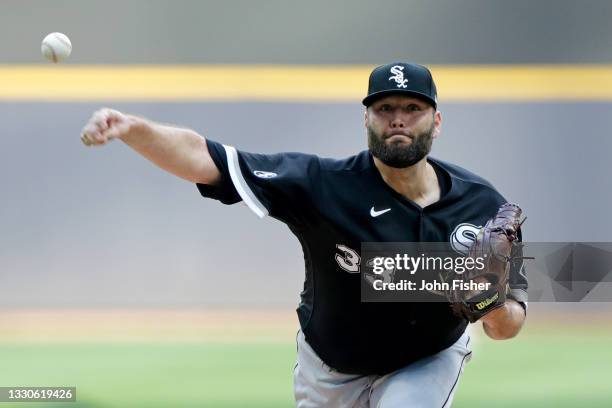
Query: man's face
401	129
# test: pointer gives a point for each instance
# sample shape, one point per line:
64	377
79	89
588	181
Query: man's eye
385	108
414	108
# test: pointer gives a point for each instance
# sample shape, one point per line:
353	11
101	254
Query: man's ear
365	118
437	124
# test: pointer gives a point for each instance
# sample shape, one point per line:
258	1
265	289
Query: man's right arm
180	151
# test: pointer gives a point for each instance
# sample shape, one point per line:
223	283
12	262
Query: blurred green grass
545	368
550	368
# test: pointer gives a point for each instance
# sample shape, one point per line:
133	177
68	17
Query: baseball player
353	353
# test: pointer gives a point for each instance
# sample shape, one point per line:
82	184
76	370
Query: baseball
56	47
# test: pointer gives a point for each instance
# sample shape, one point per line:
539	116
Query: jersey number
349	259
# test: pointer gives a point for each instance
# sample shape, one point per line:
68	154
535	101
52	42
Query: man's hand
105	125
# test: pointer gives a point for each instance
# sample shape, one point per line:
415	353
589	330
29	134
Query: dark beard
400	155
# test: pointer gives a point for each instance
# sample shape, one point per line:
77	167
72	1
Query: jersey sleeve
280	185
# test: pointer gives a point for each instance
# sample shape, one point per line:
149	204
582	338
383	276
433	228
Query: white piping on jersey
241	185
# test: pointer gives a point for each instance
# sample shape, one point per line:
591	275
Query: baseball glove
494	244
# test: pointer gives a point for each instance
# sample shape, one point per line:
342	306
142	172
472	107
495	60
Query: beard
399	155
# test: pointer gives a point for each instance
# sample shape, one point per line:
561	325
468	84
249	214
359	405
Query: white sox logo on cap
398	76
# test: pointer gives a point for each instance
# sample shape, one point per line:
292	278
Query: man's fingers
113	116
91	136
100	120
84	139
112	132
90	130
89	140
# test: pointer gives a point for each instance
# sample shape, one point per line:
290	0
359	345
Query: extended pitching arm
180	151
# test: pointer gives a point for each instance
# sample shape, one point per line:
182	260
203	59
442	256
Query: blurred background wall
313	32
102	227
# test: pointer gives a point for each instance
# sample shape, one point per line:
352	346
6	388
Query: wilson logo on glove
487	302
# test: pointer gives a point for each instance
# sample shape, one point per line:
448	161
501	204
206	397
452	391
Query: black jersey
332	206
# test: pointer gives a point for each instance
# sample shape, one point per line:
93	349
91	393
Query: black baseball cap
401	78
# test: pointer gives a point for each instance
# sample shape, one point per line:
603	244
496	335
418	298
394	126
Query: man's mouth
398	137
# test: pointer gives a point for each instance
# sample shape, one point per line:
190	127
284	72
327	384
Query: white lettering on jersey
463	236
349	260
398	76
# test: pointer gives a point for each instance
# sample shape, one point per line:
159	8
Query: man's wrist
135	126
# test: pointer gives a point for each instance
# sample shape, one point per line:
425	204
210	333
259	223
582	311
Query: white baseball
56	47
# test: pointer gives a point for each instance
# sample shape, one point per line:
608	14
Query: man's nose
397	122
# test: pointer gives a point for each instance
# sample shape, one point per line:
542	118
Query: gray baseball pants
428	383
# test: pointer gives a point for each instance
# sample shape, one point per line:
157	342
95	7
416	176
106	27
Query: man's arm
179	151
504	322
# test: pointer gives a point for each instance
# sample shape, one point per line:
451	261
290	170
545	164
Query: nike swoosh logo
375	213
